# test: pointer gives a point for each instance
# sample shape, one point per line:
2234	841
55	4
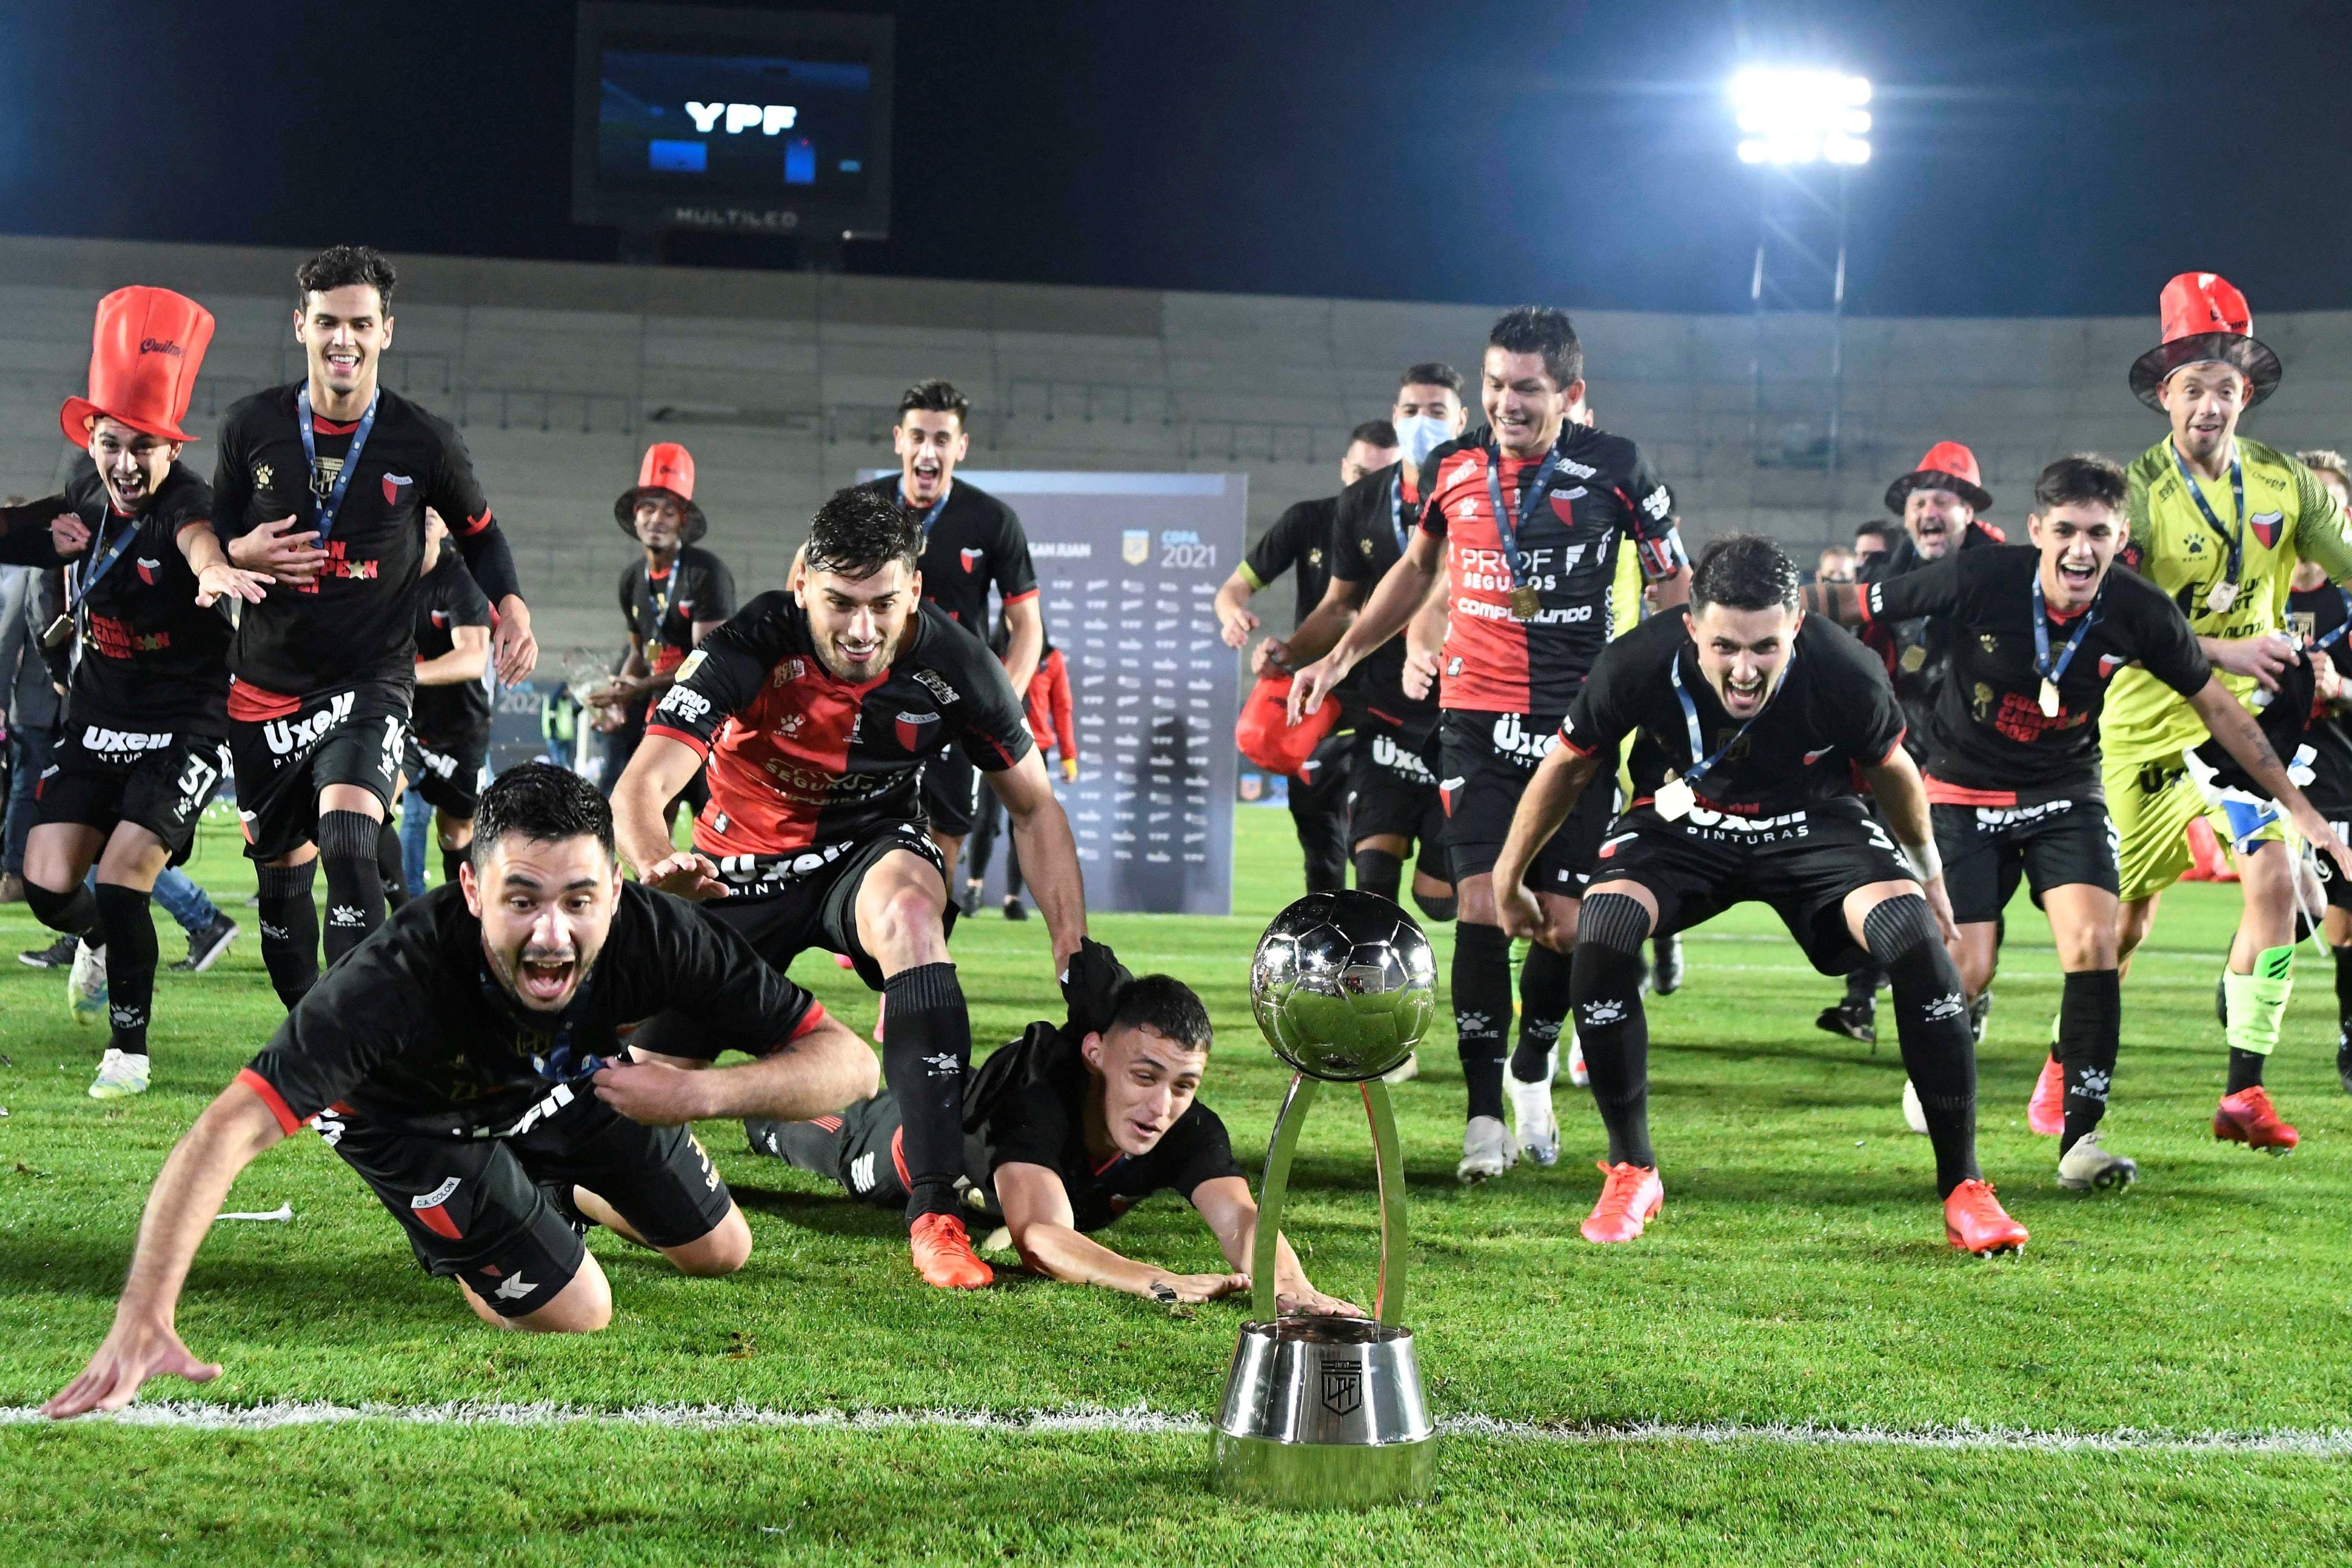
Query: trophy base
1326	1475
1325	1412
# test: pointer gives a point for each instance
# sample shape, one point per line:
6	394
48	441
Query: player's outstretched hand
512	648
2263	657
222	581
134	1351
1420	672
1521	914
654	1093
1168	1290
1309	686
1235	623
1090	983
2322	838
686	875
68	535
274	548
1315	1304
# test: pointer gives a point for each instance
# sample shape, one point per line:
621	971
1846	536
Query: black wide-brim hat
625	512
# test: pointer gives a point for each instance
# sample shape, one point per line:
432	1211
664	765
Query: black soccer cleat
1666	964
1979	1013
57	954
1856	1020
2343	1059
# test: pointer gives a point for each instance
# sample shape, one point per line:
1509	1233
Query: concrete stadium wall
782	385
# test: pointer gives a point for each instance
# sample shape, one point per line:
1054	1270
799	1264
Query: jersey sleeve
2322	534
456	494
718	592
1650	520
2165	643
992	724
1205	1153
1354	519
1866	718
1932	590
718	979
628	597
723	674
467	606
232	481
25	533
1290	536
1604	712
1016	575
362	1011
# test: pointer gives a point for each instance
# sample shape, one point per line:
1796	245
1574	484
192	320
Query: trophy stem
1388	1165
1273	1193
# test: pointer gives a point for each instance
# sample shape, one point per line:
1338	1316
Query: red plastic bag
1265	735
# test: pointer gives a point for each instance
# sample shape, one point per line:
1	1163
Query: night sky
2031	158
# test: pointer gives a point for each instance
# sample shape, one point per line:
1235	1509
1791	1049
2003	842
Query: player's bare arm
1333	614
1026	644
1049	856
1045	1231
468	659
1560	781
662	767
1396	598
1224	1202
815	1075
1902	796
2244	738
216	576
1235	619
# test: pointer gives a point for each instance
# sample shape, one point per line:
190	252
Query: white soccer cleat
1404	1072
1487	1150
1536	1129
86	986
121	1073
1915	1115
2086	1167
1578	1074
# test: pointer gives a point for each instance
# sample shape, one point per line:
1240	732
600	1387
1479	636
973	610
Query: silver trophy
1327	1412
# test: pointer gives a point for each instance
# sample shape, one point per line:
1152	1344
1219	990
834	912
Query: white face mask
1420	435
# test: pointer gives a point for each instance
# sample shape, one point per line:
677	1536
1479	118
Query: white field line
1140	1420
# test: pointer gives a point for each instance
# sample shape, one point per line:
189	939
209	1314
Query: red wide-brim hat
2205	319
144	352
1948	466
667	469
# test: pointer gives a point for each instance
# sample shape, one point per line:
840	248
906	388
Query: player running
2035	635
1526	515
817	709
322	486
2319	614
465	1061
1067	1130
2220	523
449	723
1765	715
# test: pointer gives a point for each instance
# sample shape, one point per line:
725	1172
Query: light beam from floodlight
1789	116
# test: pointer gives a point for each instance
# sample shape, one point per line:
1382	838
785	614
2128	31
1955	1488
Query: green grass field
1798	1279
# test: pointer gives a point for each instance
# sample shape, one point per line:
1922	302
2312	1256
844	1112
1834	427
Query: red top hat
2205	319
668	468
143	356
1948	466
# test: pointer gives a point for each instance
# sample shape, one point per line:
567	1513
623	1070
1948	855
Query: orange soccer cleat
1630	1199
2045	1113
1975	1222
944	1255
2248	1117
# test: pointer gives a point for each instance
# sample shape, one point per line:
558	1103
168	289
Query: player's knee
584	1305
48	904
1615	922
907	922
725	1249
1893	928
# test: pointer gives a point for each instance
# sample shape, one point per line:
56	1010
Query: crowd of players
1576	735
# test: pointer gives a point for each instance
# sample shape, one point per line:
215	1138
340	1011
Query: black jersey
974	542
1301	543
2321	618
1917	651
1989	743
1602	491
358	620
1832	711
802	763
1374	522
409	1029
447	598
661	610
1026	1104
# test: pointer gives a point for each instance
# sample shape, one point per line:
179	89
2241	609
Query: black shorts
1803	863
2339	891
98	776
448	771
355	736
2054	842
1488	759
950	792
474	1208
1396	784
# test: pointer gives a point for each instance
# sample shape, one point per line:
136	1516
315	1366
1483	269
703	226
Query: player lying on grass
2037	631
1065	1131
460	1061
1764	716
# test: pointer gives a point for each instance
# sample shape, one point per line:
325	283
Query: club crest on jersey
1135	547
913	729
147	569
971	560
2110	662
2266	526
392	485
430	1212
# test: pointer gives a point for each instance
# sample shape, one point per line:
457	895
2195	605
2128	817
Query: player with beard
1525	515
971	542
2035	634
465	1061
1764	717
322	486
1301	542
449	725
670	602
1938	502
817	710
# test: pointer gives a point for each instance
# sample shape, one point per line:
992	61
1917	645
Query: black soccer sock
1482	1012
74	913
289	929
1543	1005
1861	985
354	887
1605	985
803	1145
1435	907
1378	871
392	866
923	1061
2343	992
130	932
2245	1069
451	860
1931	1019
2090	1031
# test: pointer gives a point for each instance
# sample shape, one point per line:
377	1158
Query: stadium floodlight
1791	115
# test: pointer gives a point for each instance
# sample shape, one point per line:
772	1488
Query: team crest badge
1135	547
392	485
971	560
2267	526
148	569
913	729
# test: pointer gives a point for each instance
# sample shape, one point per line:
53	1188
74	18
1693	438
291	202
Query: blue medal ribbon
1698	769
350	459
1508	524
931	516
2332	638
100	566
2052	674
2237	541
556	1064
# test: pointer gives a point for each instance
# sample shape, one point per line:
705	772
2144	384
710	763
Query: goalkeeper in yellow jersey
2219	522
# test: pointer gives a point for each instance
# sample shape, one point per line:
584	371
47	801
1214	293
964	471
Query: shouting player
450	728
1525	515
817	709
1764	716
1066	1132
464	1062
2012	773
322	485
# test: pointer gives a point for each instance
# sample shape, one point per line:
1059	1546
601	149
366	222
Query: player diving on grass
2012	774
1065	1131
817	710
465	1061
1764	715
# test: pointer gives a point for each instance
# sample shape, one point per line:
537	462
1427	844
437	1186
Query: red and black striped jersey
805	763
1602	489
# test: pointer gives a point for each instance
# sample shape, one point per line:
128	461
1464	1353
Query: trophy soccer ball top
1343	985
